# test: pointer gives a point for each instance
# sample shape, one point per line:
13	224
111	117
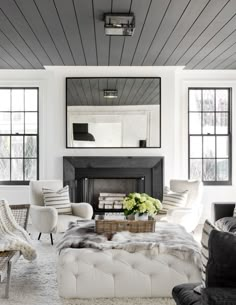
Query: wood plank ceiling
197	34
130	91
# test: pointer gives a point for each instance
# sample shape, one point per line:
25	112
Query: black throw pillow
220	270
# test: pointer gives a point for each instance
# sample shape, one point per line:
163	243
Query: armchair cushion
59	199
207	229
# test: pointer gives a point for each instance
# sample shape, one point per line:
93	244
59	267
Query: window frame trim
229	135
23	182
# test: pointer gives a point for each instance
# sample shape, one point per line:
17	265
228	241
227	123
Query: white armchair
189	215
46	219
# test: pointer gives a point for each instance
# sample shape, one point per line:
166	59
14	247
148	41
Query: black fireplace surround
88	176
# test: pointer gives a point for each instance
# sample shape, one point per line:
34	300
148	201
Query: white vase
138	216
130	217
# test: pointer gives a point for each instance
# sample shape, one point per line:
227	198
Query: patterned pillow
234	212
58	199
207	228
172	200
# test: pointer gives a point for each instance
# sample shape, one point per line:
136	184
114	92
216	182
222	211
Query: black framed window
209	136
19	139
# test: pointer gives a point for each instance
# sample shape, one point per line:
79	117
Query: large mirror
113	112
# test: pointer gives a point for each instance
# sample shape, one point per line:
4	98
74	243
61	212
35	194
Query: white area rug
34	283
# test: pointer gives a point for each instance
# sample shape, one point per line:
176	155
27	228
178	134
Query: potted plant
141	205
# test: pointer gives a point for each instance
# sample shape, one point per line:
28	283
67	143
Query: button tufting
117	271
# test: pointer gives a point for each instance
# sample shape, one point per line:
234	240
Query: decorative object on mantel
142	143
141	206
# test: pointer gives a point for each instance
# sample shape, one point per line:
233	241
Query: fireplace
87	177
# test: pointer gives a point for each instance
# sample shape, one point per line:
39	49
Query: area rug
34	283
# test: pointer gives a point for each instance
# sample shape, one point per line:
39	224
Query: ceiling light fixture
110	93
119	24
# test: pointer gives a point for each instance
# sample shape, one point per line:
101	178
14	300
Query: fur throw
167	239
12	236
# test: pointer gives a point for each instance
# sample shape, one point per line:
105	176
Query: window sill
18	186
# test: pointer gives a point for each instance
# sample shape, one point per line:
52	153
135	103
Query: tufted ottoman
89	273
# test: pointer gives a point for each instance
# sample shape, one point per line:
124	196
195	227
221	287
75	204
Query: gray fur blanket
167	239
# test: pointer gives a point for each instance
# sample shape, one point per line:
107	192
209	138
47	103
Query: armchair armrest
44	219
82	209
175	215
219	296
187	217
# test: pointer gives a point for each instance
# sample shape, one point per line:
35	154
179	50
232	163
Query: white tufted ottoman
89	273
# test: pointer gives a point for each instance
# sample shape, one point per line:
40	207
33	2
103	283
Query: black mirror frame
131	77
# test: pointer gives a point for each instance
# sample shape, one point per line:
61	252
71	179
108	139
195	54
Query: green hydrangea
141	203
129	204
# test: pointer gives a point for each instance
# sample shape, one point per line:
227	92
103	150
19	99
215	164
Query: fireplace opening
106	194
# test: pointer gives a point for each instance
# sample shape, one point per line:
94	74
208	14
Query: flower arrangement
141	204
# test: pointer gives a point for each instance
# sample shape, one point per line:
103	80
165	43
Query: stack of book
111	200
114	216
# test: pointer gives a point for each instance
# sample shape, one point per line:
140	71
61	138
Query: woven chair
21	214
8	258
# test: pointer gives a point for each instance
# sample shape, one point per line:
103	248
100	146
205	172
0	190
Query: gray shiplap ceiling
131	91
198	34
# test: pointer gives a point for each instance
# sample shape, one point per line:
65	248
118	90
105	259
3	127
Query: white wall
52	118
174	121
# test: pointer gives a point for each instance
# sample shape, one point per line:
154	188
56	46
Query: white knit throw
12	236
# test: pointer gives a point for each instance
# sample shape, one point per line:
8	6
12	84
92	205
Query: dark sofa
221	210
221	267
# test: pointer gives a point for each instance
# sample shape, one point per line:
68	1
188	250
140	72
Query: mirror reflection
113	112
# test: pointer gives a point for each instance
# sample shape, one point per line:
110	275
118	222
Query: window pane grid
190	111
20	140
36	158
212	163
